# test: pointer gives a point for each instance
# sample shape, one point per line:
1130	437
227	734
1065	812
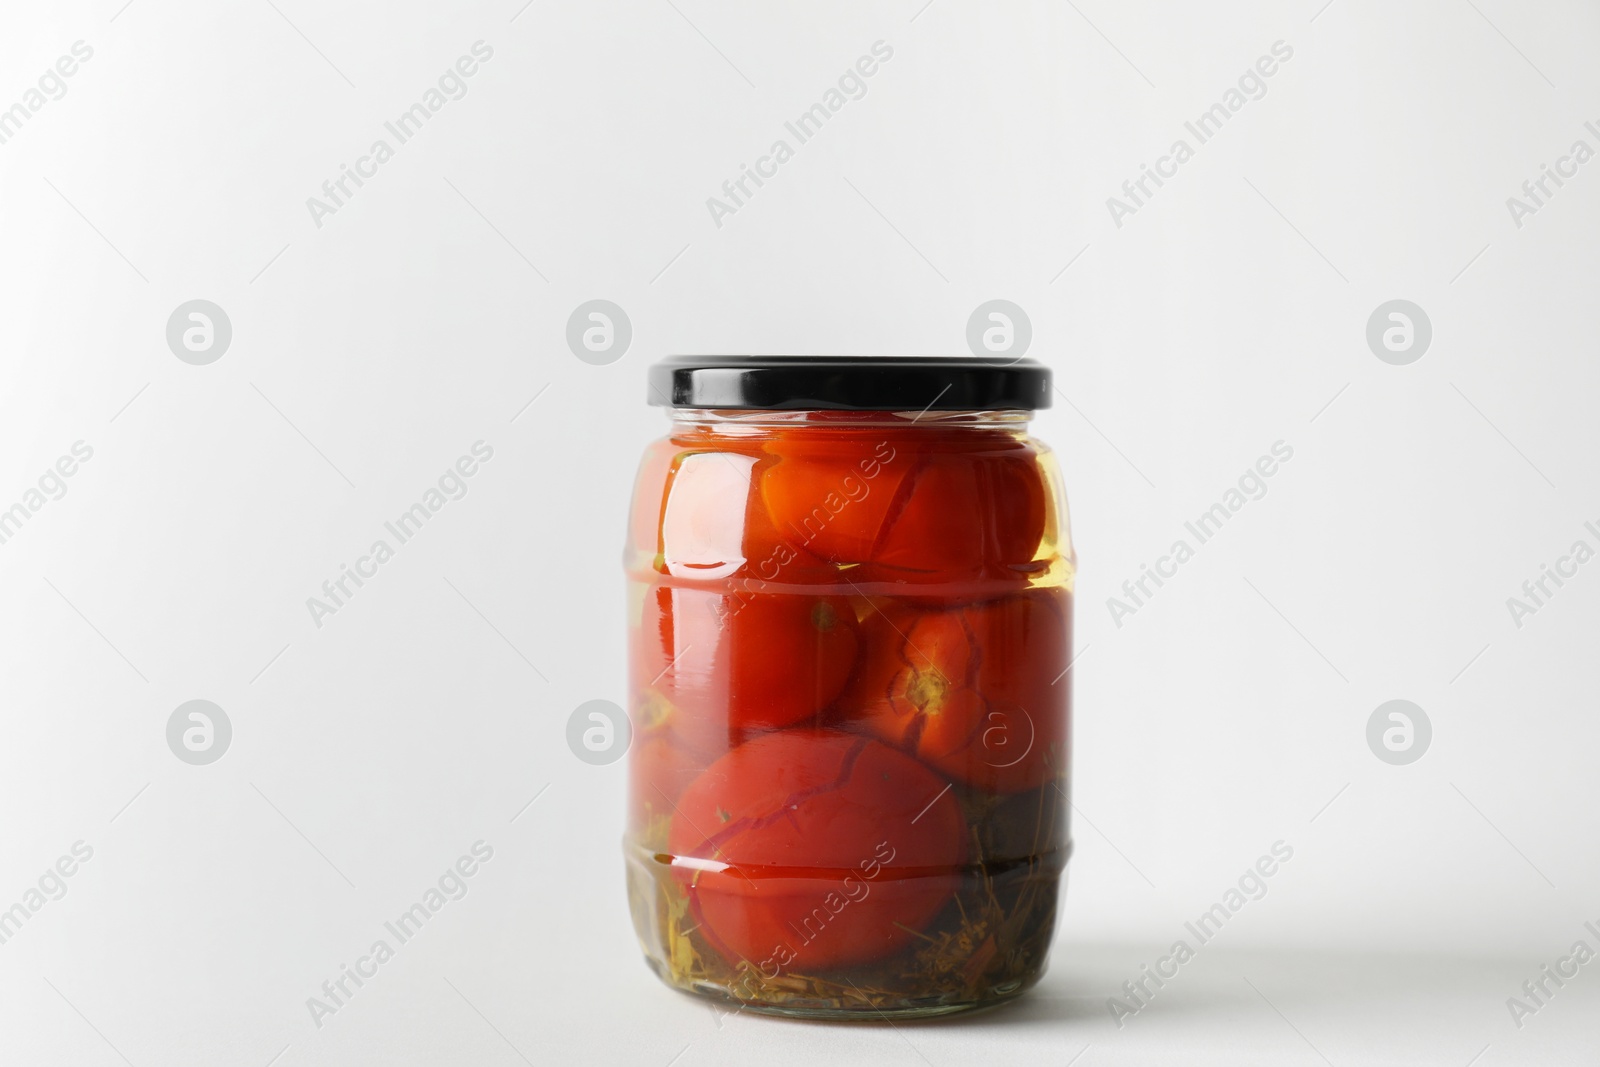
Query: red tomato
652	712
975	692
805	850
906	507
832	494
733	663
778	555
965	517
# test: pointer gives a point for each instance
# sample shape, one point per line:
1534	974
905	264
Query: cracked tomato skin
964	517
810	849
971	691
967	517
728	664
919	506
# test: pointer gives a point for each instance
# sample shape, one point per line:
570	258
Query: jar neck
734	420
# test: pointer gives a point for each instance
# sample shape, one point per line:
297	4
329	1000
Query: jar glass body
849	639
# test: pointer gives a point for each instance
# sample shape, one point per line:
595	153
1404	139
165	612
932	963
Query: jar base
878	1010
988	946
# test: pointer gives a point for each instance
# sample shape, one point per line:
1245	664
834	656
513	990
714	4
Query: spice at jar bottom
850	615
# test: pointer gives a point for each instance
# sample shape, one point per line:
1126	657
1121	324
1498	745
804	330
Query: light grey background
369	353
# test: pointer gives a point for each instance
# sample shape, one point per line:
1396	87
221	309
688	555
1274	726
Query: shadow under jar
850	616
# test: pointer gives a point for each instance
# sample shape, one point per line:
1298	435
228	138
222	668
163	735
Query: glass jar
850	592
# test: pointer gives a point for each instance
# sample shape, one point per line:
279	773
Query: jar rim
850	383
834	419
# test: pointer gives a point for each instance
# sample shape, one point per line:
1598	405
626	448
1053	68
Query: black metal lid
851	383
